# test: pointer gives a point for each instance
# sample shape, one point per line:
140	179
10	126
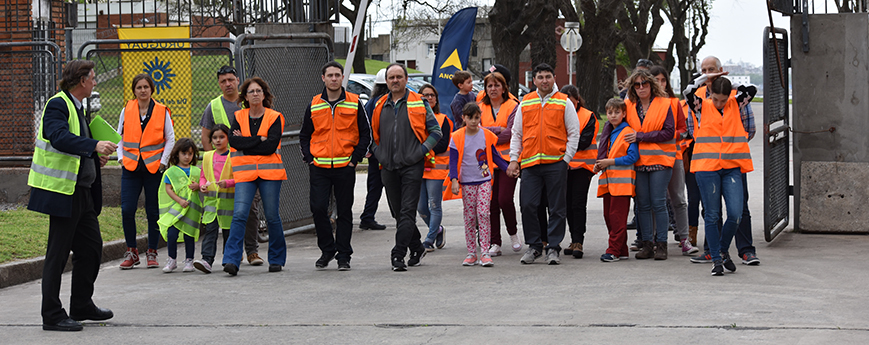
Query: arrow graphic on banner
453	60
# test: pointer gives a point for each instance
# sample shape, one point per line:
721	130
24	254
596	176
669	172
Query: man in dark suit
65	176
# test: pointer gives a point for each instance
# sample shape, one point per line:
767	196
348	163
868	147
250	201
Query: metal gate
31	71
290	64
776	135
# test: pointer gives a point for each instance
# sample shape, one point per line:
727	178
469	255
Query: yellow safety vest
171	214
52	169
219	202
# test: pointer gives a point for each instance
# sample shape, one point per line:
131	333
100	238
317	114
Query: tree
515	24
639	34
420	19
690	21
596	59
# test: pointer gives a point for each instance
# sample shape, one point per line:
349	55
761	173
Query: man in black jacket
65	176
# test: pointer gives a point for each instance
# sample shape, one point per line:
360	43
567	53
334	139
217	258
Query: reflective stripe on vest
486	120
52	169
187	219
437	165
217	202
246	168
416	114
720	141
544	135
458	138
585	158
618	180
661	153
218	112
148	143
336	131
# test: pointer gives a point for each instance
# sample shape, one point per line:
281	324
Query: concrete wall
831	89
14	189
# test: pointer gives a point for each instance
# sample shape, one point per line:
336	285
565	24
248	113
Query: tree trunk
595	60
507	18
634	19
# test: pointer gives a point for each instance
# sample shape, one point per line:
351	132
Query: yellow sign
170	70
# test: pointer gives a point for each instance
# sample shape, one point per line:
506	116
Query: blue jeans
132	183
270	191
652	202
429	208
713	185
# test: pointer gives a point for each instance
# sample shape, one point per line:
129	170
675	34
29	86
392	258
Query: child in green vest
180	206
218	188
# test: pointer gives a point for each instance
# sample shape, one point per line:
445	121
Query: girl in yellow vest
615	161
217	187
472	154
180	206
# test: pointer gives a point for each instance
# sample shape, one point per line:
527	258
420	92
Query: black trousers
578	181
551	178
79	233
325	181
402	193
375	191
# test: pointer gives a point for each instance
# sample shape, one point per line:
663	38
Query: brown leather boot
661	251
647	252
577	251
692	235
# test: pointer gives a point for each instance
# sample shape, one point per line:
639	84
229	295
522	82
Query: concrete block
835	197
14	188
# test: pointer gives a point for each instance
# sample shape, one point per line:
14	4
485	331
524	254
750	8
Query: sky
735	30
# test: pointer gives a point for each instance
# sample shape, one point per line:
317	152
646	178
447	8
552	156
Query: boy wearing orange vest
333	139
721	157
615	161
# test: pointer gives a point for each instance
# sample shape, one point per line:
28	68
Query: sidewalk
808	289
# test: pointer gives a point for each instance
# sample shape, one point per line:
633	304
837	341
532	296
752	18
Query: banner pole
348	64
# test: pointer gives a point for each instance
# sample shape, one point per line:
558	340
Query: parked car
523	90
421	76
362	85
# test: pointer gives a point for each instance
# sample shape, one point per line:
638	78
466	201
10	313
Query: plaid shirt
745	113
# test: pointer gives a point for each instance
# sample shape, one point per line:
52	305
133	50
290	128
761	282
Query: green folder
101	130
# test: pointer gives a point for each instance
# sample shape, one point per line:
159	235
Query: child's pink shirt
219	161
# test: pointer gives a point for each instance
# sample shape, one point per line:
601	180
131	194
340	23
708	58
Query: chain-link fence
184	72
28	79
776	143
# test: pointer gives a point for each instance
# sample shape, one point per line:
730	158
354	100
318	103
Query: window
357	88
432	50
486	64
474	48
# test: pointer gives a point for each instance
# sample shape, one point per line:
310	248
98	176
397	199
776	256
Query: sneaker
131	258
495	250
439	240
188	265
517	245
374	225
470	260
398	265
254	260
231	269
702	259
151	256
717	268
343	265
606	257
687	248
632	225
428	246
324	260
530	255
275	268
171	265
636	245
486	261
552	257
415	258
750	259
624	257
202	265
729	266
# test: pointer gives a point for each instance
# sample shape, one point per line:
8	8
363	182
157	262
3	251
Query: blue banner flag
452	55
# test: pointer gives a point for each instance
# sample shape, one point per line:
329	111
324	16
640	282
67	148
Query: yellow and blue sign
452	56
169	68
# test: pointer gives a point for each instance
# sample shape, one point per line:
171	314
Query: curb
19	272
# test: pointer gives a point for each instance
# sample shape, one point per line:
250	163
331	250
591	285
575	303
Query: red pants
615	213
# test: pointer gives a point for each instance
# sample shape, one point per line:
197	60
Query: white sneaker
495	250
171	265
188	266
517	245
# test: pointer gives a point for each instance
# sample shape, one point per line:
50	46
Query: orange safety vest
720	141
149	143
684	143
585	158
486	120
336	132
662	153
458	137
482	94
437	166
544	135
416	113
246	168
618	180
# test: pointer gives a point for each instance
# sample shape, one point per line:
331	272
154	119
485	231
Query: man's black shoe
232	269
343	265
68	325
275	268
416	256
398	264
323	261
97	314
371	226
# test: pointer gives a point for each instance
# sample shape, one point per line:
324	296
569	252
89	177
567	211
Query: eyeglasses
428	95
226	70
254	91
644	63
641	84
